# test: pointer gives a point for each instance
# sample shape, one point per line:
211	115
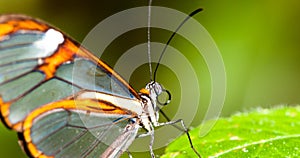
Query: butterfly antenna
148	39
174	33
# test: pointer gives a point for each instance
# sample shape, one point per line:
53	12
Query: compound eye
164	98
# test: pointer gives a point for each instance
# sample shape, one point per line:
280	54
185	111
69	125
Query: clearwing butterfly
96	115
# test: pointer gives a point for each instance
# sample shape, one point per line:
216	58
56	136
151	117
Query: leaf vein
254	143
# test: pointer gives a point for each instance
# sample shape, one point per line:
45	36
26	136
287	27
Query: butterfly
65	102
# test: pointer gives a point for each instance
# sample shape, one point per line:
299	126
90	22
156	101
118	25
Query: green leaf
262	133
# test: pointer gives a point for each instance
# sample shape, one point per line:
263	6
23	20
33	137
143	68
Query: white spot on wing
40	61
50	41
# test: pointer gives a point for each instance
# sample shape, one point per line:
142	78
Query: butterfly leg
185	130
151	144
169	120
129	154
151	134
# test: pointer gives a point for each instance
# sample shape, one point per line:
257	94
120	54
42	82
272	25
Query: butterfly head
150	95
157	91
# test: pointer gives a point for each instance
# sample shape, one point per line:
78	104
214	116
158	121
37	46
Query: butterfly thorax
150	114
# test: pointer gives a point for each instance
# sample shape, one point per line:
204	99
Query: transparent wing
40	65
71	129
122	143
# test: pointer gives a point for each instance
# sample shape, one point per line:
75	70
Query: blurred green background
259	41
